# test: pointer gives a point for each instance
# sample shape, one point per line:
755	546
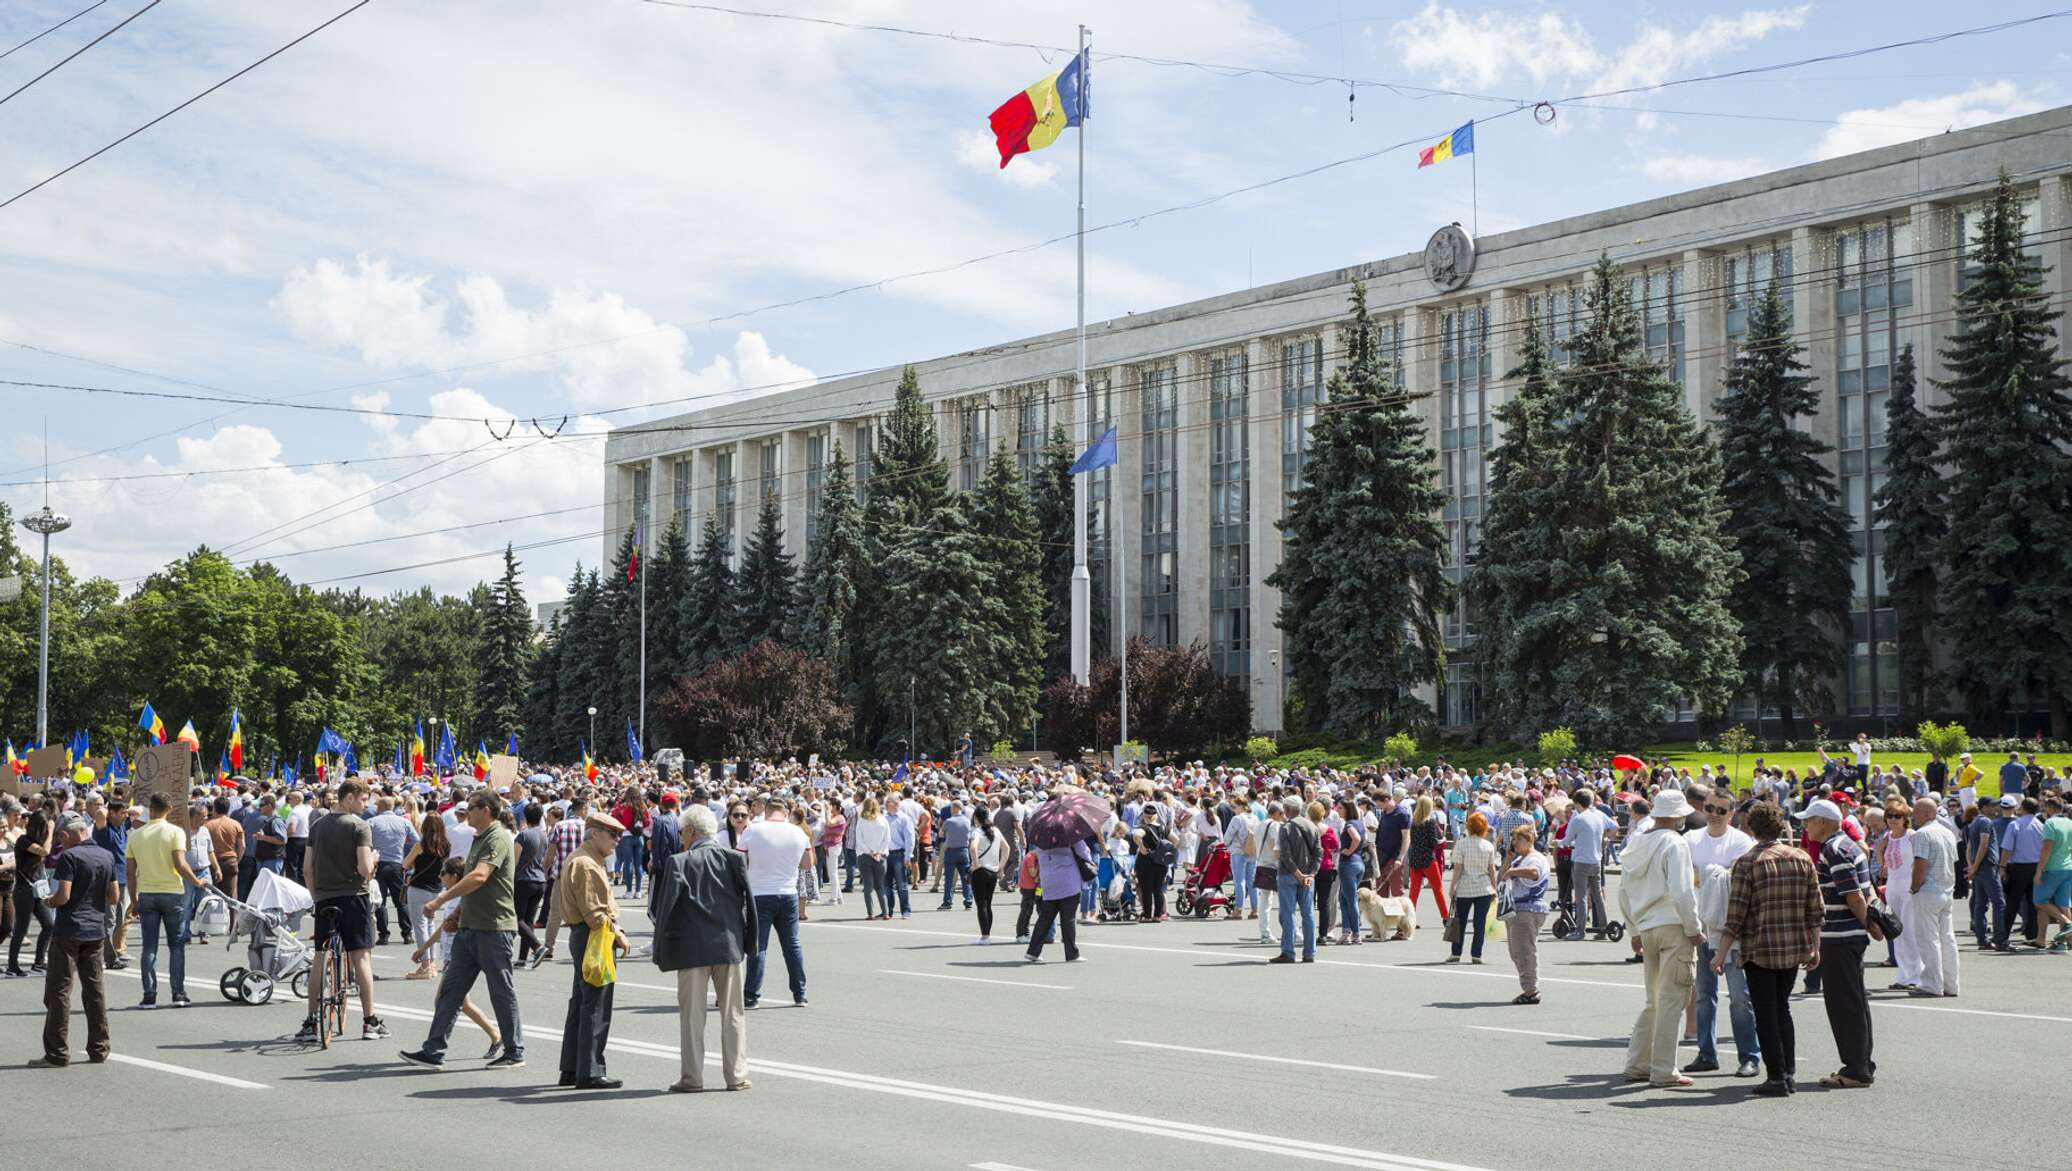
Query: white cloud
1699	170
976	150
1489	49
1919	117
598	348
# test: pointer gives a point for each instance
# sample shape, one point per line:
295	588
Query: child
442	934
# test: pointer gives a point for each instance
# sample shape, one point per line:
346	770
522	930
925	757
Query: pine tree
1010	648
905	506
1051	492
763	590
1638	569
1910	512
822	623
1792	599
669	583
931	656
708	604
909	479
622	603
506	641
585	651
540	739
1510	584
2007	604
1362	576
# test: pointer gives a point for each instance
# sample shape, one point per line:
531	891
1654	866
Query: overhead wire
68	58
53	28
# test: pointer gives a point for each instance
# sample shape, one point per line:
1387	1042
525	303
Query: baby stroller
1118	901
1202	891
274	952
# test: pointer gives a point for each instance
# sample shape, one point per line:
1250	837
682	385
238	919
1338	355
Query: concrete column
1421	343
1263	474
658	501
2054	215
1705	331
792	484
1191	399
1508	309
617	482
1127	503
1927	323
1813	322
747	471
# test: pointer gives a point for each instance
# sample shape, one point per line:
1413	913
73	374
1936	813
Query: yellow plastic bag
599	966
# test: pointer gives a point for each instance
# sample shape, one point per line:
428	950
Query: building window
1874	295
1388	337
1230	511
863	447
816	476
724	499
1461	705
1100	493
1031	429
643	487
770	484
974	440
1657	295
1159	551
1561	313
680	493
1302	388
1465	434
1747	277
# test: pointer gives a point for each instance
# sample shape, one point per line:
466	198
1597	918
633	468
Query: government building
1212	400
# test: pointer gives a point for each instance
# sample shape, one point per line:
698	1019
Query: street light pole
45	523
593	729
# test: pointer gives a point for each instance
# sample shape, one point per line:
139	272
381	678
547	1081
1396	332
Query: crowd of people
1743	886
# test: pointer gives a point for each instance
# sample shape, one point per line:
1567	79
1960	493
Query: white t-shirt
1707	850
459	840
298	824
774	849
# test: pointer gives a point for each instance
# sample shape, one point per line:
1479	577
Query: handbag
43	887
1877	912
1452	932
1087	870
599	966
1266	878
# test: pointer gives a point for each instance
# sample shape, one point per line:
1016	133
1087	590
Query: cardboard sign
163	768
503	771
49	764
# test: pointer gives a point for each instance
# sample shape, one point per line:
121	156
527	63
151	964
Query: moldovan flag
1459	142
589	765
417	751
151	724
189	736
481	761
1033	118
237	740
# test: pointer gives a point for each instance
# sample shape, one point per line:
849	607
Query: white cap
1827	809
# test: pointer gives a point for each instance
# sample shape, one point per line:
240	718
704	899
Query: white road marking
2019	1016
1412	969
999	1167
183	1071
1532	1033
1055	1111
1280	1060
976	979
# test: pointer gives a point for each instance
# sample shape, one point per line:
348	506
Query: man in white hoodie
1660	904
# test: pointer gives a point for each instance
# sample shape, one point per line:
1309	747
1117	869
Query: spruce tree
540	738
905	507
1362	575
506	642
1051	491
1510	584
708	604
1910	512
585	648
2007	424
1792	598
763	590
622	603
1633	617
668	584
1011	646
931	657
823	622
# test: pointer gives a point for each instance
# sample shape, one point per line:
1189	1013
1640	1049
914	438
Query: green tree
769	702
764	590
1633	616
708	604
1050	491
1011	646
1511	587
824	622
500	687
669	583
586	654
1180	706
542	738
1910	513
1362	575
907	512
1792	598
931	664
2007	604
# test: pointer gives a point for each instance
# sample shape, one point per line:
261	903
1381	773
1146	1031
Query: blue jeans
277	865
166	912
1243	895
1472	910
1740	1011
956	875
896	881
1294	894
781	912
478	953
1988	901
848	869
1350	870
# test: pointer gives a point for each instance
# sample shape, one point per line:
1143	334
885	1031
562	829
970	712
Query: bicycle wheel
323	979
299	985
334	1002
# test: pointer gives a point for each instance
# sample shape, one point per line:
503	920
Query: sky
476	235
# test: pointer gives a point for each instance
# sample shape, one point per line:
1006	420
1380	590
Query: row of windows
1159	550
1230	517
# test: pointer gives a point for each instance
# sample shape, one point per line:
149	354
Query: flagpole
1475	191
642	570
1082	579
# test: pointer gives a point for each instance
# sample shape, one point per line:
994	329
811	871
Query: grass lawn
1683	756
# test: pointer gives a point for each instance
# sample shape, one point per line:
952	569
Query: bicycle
329	975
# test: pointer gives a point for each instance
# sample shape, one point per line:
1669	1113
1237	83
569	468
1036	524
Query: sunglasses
738	813
1721	809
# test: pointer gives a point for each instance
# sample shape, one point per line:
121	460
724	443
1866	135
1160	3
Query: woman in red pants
1427	841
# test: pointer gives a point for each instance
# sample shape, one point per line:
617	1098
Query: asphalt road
1172	1044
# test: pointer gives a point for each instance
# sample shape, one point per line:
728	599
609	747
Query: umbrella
1626	762
539	779
1630	798
1066	818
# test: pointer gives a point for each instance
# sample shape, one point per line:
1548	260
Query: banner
164	768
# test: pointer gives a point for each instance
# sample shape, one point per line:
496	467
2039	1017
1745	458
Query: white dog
1387	918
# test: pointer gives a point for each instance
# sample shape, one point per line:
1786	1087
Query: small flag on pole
237	739
511	744
1033	118
1460	142
152	725
633	742
1100	455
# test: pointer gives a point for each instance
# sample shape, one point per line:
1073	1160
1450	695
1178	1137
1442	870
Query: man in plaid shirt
1513	817
562	843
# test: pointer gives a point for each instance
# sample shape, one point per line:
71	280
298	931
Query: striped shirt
1843	871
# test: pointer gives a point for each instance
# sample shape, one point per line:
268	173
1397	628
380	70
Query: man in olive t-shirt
483	944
